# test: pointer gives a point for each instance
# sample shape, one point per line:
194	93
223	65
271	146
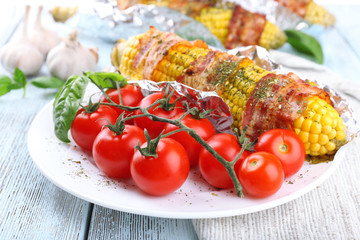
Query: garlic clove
22	53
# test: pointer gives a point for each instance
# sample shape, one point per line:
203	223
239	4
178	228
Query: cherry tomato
154	128
130	96
163	174
261	174
285	145
202	127
112	153
211	169
86	126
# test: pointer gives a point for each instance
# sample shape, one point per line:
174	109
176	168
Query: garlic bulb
22	53
71	58
41	37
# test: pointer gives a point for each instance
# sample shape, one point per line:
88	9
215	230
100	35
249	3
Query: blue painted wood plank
31	206
110	224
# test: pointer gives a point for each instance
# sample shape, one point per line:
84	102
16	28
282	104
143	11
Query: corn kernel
298	122
304	136
315	147
317	117
313	138
315	128
297	131
307	145
323	139
340	126
332	134
322	150
306	125
322	110
335	121
325	120
330	146
326	129
316	106
340	135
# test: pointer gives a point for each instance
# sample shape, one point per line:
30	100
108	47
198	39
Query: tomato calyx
118	127
164	103
151	147
197	113
91	107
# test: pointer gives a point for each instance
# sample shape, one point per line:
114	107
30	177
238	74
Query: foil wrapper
108	23
219	116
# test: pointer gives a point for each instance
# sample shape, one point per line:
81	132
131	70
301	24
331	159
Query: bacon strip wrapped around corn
257	98
238	27
310	11
232	25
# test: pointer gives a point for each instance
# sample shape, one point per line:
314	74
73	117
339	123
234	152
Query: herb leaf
106	79
305	43
5	84
19	77
66	104
47	82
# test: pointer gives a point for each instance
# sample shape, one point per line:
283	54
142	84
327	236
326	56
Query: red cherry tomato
154	128
285	145
112	153
202	127
163	174
86	126
211	169
130	96
261	174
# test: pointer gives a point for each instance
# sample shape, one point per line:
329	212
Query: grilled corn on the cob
320	127
218	19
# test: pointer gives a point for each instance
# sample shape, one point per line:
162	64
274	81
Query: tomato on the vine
285	145
154	128
164	173
203	127
211	169
113	151
86	125
130	96
261	174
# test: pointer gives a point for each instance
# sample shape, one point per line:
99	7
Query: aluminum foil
219	116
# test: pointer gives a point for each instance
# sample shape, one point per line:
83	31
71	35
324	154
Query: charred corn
320	127
217	20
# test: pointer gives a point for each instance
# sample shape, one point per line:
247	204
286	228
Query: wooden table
31	207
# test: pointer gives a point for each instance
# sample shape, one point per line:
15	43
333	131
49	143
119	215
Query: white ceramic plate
74	171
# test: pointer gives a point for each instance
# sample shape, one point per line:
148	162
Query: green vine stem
182	127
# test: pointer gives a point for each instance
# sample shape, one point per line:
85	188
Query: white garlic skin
23	55
70	58
44	39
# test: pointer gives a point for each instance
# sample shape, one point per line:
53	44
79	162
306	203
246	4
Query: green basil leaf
5	83
19	77
305	43
47	82
106	79
66	105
